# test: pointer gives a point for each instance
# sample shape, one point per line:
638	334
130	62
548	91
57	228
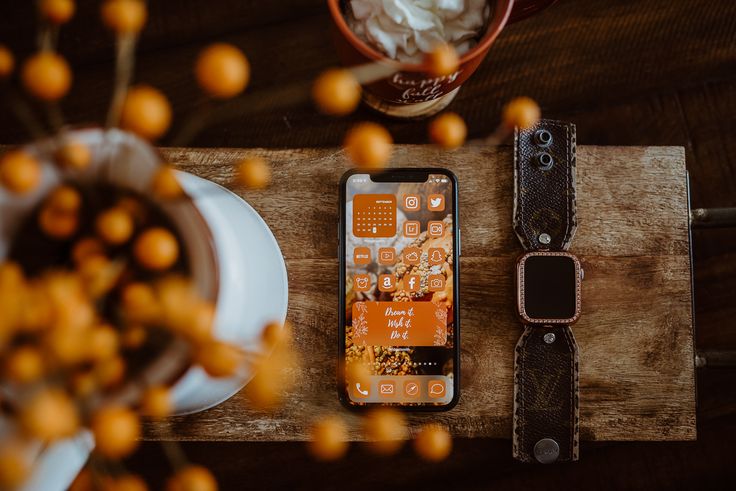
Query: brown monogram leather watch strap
546	401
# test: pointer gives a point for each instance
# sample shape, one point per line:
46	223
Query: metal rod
715	359
713	217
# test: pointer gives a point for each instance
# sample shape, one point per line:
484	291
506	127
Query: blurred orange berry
86	248
14	467
83	383
116	430
47	76
74	155
199	325
83	482
57	11
522	112
50	415
222	70
156	249
102	343
19	171
64	199
134	336
192	478
139	302
369	145
157	402
146	111
165	184
24	365
442	61
66	346
448	130
385	430
128	482
57	224
124	16
115	226
254	172
328	439
433	443
110	372
276	333
219	359
336	92
133	206
7	61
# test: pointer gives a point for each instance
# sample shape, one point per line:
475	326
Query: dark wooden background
629	72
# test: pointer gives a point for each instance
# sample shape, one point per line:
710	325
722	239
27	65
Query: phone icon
360	391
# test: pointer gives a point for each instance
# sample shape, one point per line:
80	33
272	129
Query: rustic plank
637	375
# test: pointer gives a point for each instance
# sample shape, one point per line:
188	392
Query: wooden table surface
648	72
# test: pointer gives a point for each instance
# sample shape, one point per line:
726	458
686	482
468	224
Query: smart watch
548	280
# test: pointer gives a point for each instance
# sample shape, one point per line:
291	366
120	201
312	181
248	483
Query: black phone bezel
404	174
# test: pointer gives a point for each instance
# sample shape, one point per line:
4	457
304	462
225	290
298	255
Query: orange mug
411	92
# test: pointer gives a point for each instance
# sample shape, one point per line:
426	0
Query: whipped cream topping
405	30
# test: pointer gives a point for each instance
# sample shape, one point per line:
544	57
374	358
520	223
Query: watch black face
550	287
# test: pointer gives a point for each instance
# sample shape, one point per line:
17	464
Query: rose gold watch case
520	288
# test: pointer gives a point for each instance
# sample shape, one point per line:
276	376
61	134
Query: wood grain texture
635	337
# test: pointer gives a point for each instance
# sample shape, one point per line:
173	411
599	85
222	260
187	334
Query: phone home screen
399	270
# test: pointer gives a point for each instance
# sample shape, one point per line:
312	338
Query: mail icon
387	388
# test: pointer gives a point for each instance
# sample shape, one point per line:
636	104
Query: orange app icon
436	282
361	390
411	283
412	389
412	255
386	255
436	389
387	282
436	255
436	202
411	228
361	255
361	282
410	202
435	229
387	388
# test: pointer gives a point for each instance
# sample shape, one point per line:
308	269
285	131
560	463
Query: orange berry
522	112
222	70
116	430
133	206
275	333
156	249
24	365
254	172
165	184
66	346
50	415
336	92
19	171
86	248
14	467
385	430
329	439
133	337
139	302
368	145
57	11
146	111
64	199
128	482
110	372
7	61
433	443
56	224
83	383
199	325
115	226
102	343
219	359
124	16
47	76
442	61
74	155
192	478
448	130
157	402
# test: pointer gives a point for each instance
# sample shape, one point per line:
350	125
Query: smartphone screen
399	277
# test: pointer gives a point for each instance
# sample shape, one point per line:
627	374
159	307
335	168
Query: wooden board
635	337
